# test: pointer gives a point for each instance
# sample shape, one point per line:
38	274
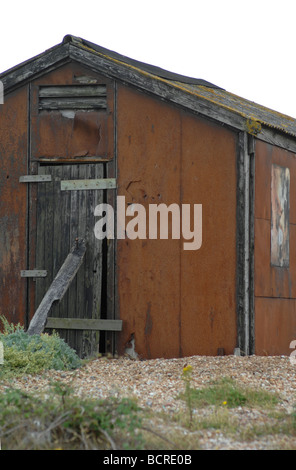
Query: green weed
228	394
24	354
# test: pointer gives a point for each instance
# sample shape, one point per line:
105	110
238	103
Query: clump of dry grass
59	420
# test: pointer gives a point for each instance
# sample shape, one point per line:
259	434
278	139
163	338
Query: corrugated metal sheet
13	207
275	250
177	302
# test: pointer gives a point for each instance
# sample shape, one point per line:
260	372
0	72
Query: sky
246	47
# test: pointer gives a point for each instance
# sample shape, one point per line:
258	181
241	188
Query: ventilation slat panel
80	97
72	90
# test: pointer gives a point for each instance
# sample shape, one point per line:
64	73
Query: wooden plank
40	243
96	262
58	287
54	220
243	243
251	150
282	140
72	91
49	208
112	308
102	183
34	178
83	280
79	159
84	324
60	247
93	264
110	337
33	273
72	103
73	337
42	239
41	65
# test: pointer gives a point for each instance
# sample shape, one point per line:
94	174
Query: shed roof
246	108
196	94
152	69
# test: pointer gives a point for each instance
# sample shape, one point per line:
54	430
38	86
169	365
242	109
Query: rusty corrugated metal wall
176	302
13	205
275	264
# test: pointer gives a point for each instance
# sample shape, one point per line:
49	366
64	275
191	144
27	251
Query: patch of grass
227	393
164	432
212	418
280	423
24	354
219	419
59	420
214	409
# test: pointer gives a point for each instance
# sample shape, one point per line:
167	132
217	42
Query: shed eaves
254	113
246	108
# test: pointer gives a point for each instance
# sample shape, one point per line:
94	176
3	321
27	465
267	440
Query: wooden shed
83	126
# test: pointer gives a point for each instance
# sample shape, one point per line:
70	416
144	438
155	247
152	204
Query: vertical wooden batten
251	149
245	243
111	195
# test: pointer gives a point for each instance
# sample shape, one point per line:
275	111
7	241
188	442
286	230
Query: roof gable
194	94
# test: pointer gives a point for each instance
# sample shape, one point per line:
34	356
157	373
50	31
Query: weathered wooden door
63	216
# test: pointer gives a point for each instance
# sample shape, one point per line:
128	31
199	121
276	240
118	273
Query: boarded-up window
280	192
72	121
